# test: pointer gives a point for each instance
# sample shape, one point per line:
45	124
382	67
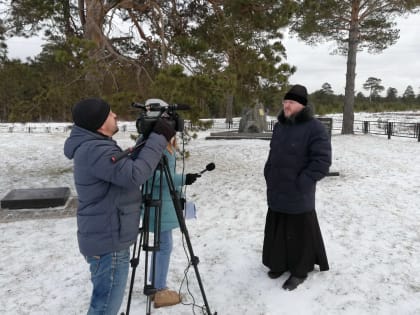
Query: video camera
154	109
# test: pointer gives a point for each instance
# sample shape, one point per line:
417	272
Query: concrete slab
234	135
66	211
35	198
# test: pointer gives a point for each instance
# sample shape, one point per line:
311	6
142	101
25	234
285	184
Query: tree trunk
94	20
229	108
162	26
68	30
94	17
348	110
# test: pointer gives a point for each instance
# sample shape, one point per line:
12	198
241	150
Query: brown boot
166	298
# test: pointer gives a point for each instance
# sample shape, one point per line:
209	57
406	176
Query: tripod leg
149	272
148	289
178	209
134	263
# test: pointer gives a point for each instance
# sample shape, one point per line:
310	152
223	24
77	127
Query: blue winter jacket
300	155
109	193
169	219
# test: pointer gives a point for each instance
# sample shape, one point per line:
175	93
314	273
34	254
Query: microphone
155	104
179	107
192	177
138	105
209	167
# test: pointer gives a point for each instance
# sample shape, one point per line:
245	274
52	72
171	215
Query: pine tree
354	25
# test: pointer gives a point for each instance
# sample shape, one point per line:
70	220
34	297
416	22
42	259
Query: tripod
144	239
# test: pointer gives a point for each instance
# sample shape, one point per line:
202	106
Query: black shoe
292	283
274	274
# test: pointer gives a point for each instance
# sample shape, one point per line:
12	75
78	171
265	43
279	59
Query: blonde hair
172	145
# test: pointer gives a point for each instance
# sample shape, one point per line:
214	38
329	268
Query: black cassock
293	242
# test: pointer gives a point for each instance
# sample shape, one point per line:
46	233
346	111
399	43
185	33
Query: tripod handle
115	158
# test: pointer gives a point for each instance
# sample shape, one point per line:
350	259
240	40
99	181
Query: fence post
389	129
365	127
418	132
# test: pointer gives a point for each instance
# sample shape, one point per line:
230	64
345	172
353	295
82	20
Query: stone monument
254	120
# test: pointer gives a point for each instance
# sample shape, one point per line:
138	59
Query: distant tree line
220	57
325	101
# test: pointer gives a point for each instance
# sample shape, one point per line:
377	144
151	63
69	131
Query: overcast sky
397	66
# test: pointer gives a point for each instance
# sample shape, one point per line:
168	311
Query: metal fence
34	128
385	128
333	125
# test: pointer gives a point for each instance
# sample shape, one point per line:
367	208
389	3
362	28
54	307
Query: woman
168	221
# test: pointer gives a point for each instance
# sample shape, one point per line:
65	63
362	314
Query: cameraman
109	196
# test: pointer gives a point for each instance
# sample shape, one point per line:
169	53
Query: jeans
162	260
109	275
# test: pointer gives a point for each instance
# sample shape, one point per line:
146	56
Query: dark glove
163	128
191	178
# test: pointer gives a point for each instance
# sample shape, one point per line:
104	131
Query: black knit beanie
90	113
297	93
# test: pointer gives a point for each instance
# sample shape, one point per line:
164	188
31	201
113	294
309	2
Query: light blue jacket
169	218
109	193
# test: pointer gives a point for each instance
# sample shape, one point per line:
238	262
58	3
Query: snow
369	217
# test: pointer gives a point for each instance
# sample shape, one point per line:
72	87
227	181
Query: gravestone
327	122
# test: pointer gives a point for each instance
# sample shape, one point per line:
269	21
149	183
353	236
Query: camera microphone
138	105
209	167
179	107
154	107
155	104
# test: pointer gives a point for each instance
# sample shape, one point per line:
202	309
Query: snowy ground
369	216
